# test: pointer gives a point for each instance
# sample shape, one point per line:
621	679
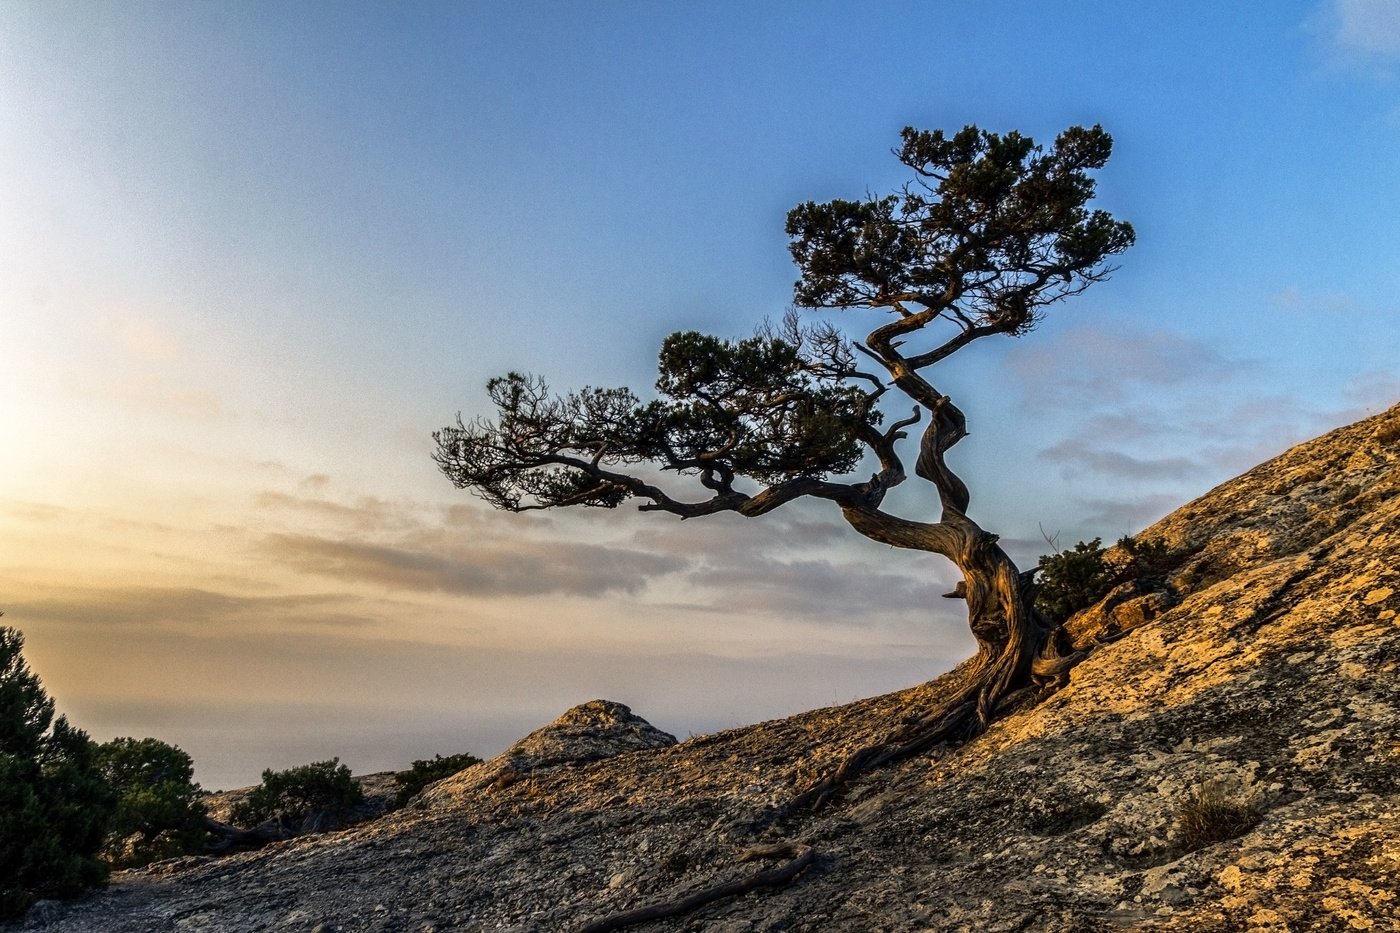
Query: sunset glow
252	256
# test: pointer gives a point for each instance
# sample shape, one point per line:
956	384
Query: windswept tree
989	233
54	803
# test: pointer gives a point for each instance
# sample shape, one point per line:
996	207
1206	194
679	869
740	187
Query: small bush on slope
1075	579
424	773
317	791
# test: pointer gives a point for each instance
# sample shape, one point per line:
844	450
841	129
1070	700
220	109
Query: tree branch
952	346
799	856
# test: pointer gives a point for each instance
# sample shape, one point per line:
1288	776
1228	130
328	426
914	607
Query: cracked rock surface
1266	666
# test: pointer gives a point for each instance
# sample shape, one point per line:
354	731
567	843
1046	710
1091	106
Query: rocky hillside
1227	758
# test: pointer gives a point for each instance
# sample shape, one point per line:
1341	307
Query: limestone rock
1267	664
590	731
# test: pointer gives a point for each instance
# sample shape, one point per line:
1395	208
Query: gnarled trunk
1020	655
1013	638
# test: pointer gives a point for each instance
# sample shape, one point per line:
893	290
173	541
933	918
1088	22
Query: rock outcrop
590	731
1256	685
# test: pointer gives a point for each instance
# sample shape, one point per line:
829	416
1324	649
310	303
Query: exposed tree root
957	720
952	721
799	856
966	715
227	838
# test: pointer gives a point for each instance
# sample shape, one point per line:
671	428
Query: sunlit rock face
589	732
1256	684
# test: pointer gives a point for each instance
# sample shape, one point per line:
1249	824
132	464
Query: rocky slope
1264	669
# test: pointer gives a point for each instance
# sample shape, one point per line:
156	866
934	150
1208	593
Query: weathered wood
800	856
229	837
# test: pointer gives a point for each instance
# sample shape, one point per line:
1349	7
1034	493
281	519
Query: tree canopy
989	232
54	803
159	812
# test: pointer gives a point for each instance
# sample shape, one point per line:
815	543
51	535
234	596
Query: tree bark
1020	655
799	855
228	837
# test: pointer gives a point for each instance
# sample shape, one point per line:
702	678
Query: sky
252	255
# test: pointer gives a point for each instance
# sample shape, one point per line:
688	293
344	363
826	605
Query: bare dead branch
799	855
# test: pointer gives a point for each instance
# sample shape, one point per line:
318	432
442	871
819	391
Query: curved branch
880	344
947	427
800	856
952	346
883	446
752	506
948	424
948	538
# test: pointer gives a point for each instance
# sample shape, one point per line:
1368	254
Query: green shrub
424	773
322	789
1139	559
1076	579
54	803
1214	812
1072	580
159	811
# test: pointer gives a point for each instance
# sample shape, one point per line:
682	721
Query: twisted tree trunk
1020	654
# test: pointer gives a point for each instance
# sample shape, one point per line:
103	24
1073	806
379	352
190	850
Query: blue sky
252	255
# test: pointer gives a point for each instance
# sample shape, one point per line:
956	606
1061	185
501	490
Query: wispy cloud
1295	299
1079	455
316	482
522	568
1089	366
1372	392
191	609
1369	28
801	564
364	514
40	512
1127	515
313	503
828	590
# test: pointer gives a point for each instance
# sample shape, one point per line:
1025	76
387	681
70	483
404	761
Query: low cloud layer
1115	517
189	608
1079	455
1089	365
825	589
522	568
365	514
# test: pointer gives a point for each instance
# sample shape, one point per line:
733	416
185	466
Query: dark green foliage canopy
159	812
727	409
54	803
1072	580
324	787
26	712
989	232
1077	578
424	772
